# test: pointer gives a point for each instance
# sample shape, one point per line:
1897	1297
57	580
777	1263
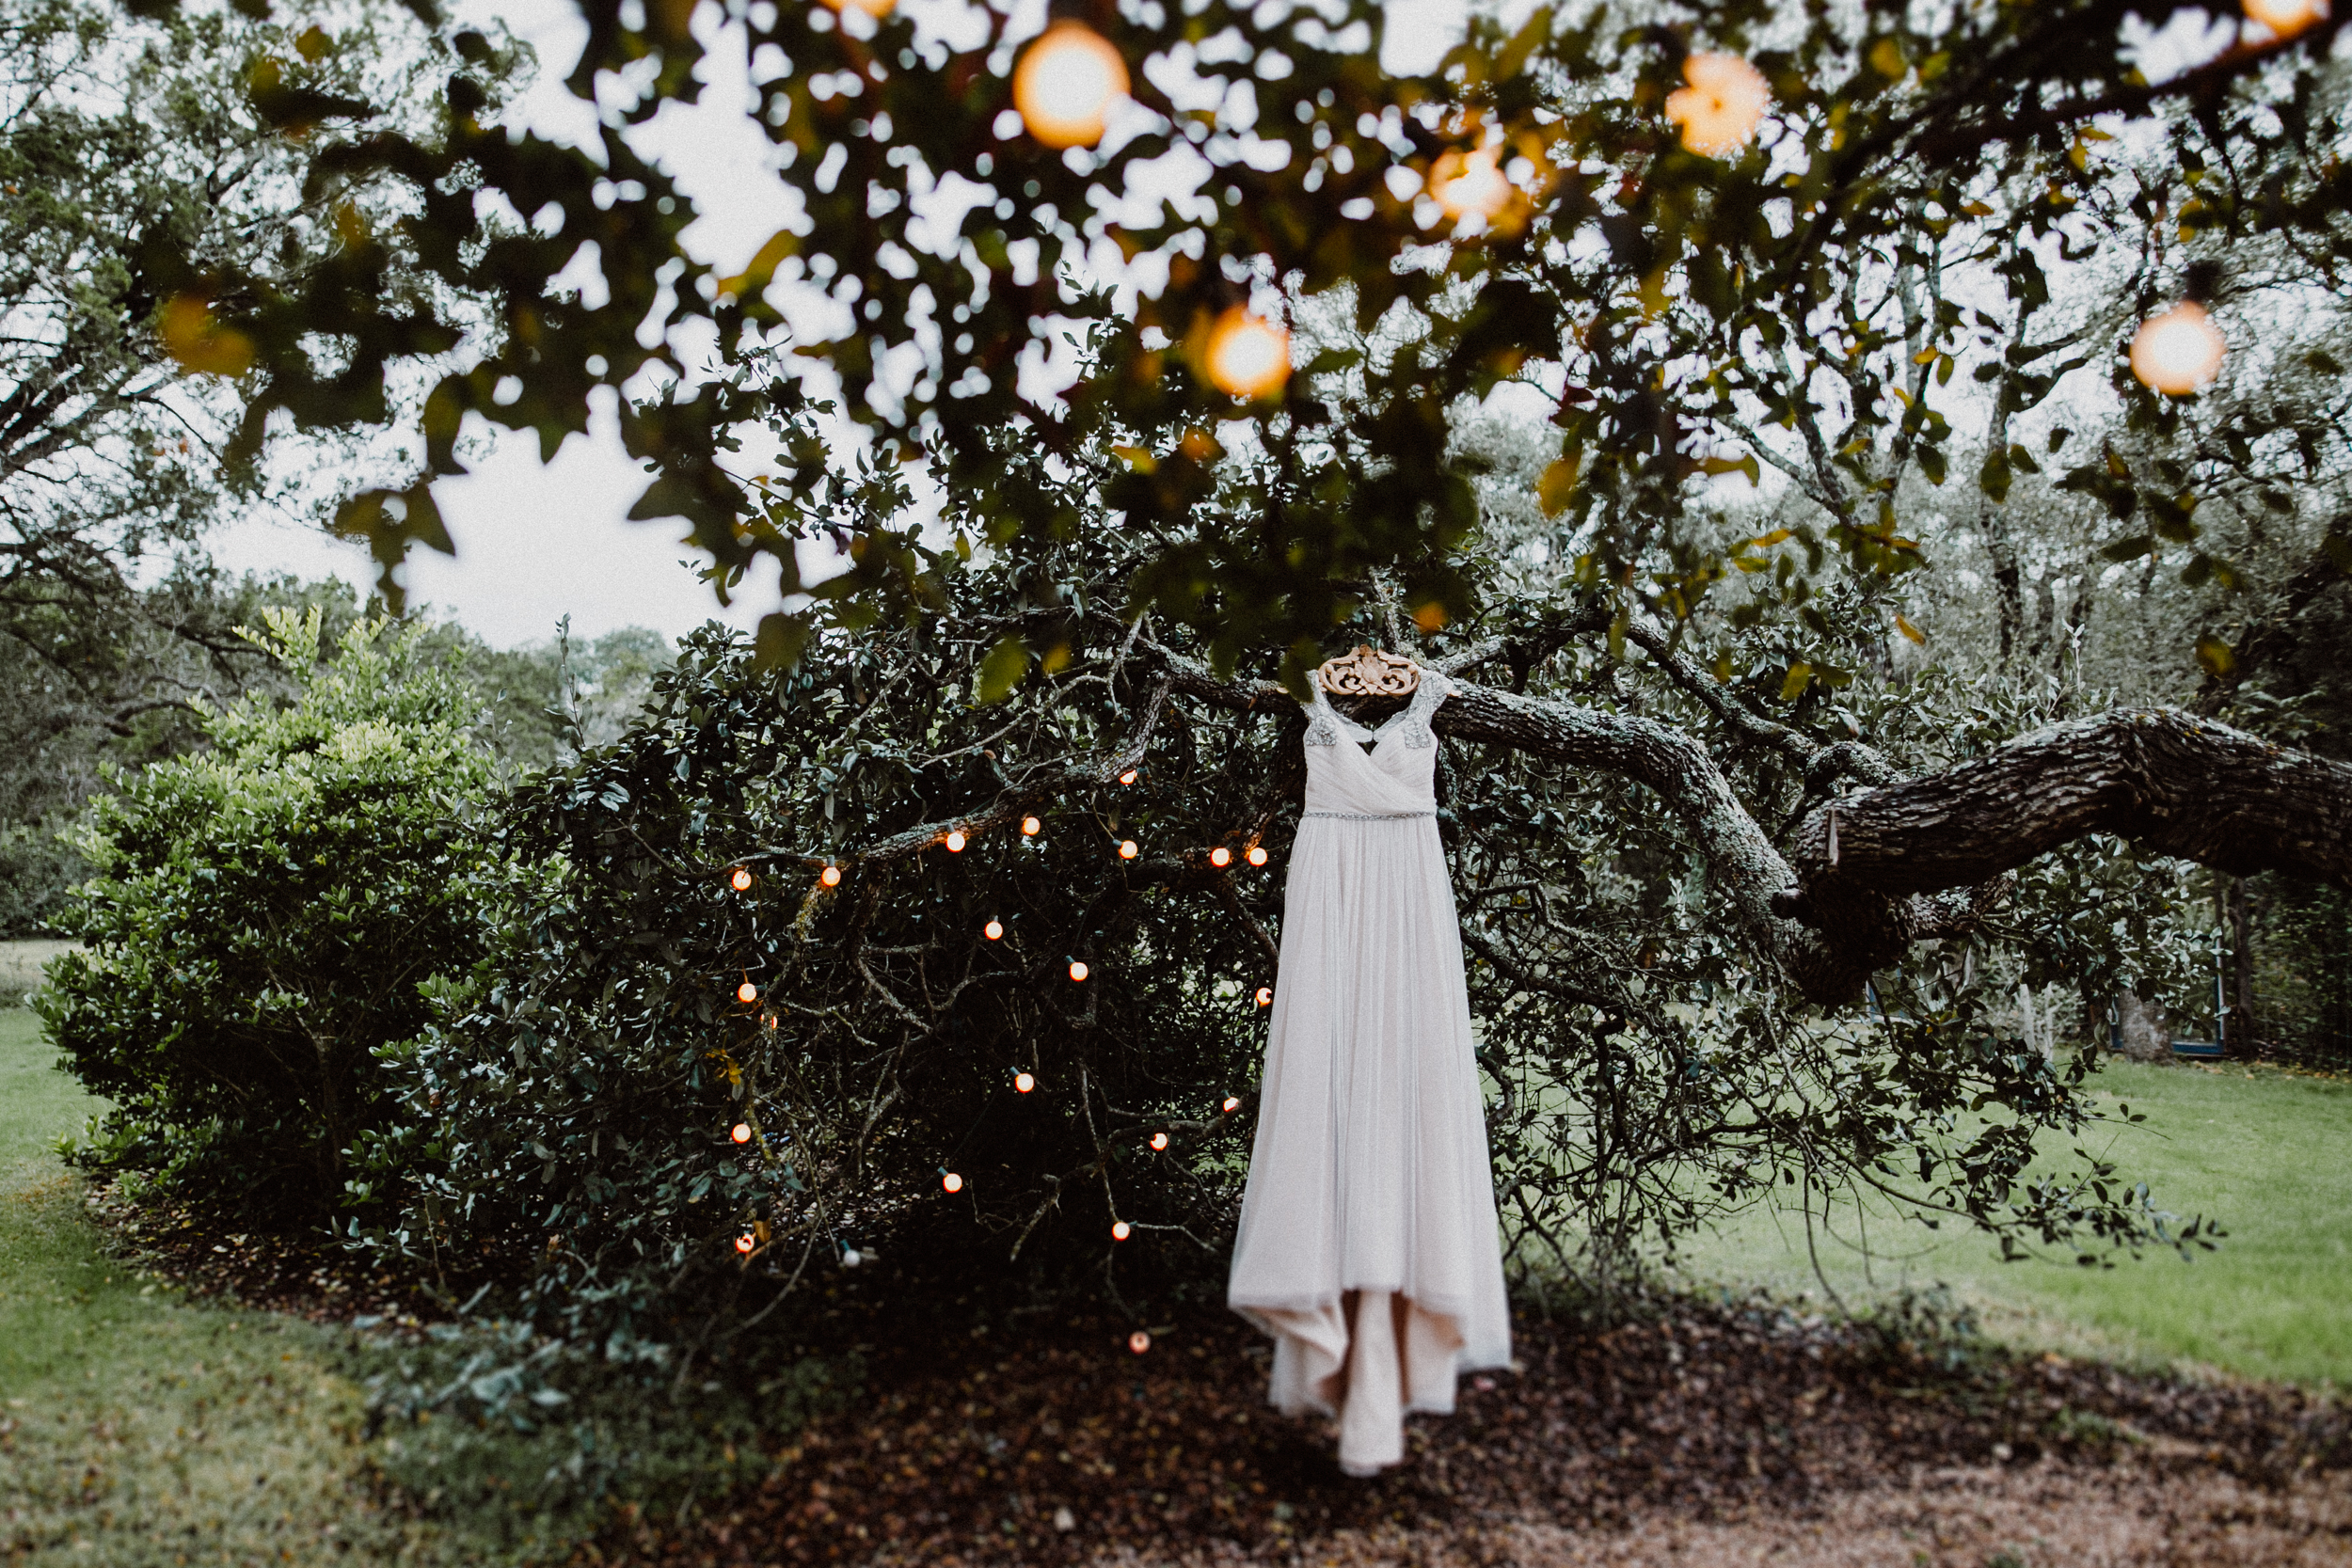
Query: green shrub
573	1111
263	913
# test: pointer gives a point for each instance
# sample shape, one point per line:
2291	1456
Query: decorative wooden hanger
1368	673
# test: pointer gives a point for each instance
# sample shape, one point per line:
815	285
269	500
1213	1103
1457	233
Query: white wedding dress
1368	1245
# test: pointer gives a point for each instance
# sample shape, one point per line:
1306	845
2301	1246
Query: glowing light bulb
994	929
1120	1231
1023	1082
1249	355
1127	849
1138	1341
1128	777
1256	855
852	1258
1471	184
956	842
831	875
1159	1140
1077	969
1232	1104
1029	826
1220	857
747	993
1722	107
875	9
743	1132
1265	996
952	1182
745	1242
742	878
1066	84
2286	18
2179	350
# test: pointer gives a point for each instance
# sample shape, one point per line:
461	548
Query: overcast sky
535	542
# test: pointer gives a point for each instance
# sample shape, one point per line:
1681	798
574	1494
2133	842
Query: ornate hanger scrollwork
1368	673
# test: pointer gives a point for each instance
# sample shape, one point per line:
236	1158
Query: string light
1232	1104
875	9
831	875
1471	184
1265	996
1138	1341
2179	350
1029	825
994	929
1077	969
743	1132
956	842
1127	849
953	1182
1722	107
747	993
742	878
1256	855
1023	1082
2286	18
1249	355
1159	1140
852	1258
744	1242
1120	1231
1066	83
1128	777
1220	857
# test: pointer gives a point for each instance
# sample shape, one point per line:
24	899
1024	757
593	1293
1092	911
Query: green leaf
1001	669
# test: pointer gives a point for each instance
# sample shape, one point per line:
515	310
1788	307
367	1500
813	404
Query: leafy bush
574	1112
263	915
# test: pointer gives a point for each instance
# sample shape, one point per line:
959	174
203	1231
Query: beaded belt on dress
1373	816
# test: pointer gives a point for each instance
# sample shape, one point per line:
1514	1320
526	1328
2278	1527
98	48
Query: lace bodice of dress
1391	781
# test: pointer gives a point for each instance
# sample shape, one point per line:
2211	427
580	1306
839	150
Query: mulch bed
1699	1432
219	1256
1055	1445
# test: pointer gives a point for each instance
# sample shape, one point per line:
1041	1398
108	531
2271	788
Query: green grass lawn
2263	1153
136	1430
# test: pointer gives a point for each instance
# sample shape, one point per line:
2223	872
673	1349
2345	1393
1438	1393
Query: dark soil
1694	1431
986	1443
222	1257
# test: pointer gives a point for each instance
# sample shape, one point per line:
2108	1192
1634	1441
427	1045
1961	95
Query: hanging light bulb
747	993
831	875
1023	1082
1128	777
994	929
1249	355
1077	969
1220	857
1127	849
1471	184
1232	1104
742	878
2179	350
1256	855
1159	1141
1120	1230
1029	825
2286	18
955	841
743	1132
852	1258
745	1242
951	1181
875	9
1138	1341
1722	107
1265	996
1066	84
